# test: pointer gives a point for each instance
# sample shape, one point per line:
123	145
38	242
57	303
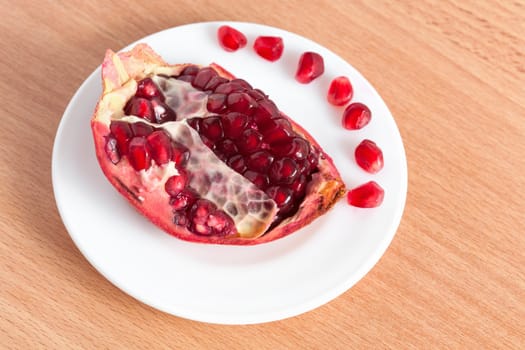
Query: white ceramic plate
235	284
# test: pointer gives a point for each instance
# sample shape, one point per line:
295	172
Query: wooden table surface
453	75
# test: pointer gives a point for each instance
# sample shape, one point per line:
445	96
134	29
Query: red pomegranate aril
147	88
299	186
176	183
228	87
233	124
243	84
214	82
283	171
141	108
163	113
227	148
278	135
310	67
190	70
220	223
112	150
241	102
216	103
368	195
282	196
269	47
203	77
141	129
356	116
258	179
122	133
257	94
230	38
237	163
249	141
179	154
312	159
259	161
369	156
159	144
271	125
138	153
266	110
183	200
295	147
340	91
211	127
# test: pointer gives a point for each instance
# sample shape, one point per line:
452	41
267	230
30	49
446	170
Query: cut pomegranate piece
204	155
368	195
310	67
269	47
230	38
369	156
340	91
356	116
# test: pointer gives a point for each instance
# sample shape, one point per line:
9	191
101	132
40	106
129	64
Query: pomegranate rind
120	73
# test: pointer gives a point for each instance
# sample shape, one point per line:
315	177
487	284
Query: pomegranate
269	47
230	38
340	91
217	162
368	195
356	116
369	156
310	67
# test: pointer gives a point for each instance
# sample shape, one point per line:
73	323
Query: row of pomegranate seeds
142	144
355	116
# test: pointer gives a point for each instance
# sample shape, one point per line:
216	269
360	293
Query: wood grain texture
453	75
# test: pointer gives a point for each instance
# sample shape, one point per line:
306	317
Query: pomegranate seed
211	127
214	82
141	129
265	111
190	70
259	161
159	144
241	102
183	200
176	183
356	116
122	133
340	91
233	124
203	77
257	94
112	150
138	154
220	222
269	47
237	163
216	103
249	141
311	66
369	156
279	134
313	159
258	179
282	196
299	186
295	147
181	219
230	38
284	171
227	148
163	113
242	83
228	88
368	195
179	154
141	108
148	89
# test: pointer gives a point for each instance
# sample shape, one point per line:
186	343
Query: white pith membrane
250	208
